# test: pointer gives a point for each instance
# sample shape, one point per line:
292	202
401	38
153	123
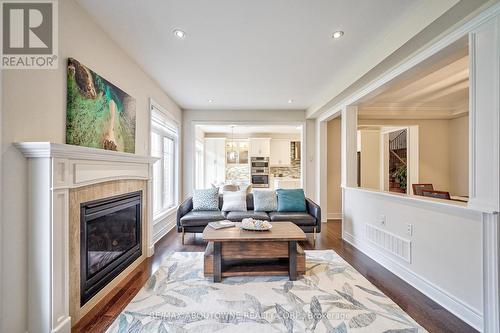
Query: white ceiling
438	89
444	87
245	54
251	129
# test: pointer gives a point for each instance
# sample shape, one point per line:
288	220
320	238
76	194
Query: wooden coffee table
236	252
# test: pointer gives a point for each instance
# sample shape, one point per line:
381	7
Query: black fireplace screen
110	232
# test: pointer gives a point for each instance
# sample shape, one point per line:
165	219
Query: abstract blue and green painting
98	114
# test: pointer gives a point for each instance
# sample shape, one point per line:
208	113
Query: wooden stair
397	158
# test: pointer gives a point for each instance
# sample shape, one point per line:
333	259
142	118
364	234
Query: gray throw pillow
235	201
230	188
206	199
265	201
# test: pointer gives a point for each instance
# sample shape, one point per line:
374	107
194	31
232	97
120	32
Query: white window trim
153	105
199	145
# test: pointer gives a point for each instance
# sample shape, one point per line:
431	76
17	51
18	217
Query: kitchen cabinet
260	147
237	152
215	161
280	153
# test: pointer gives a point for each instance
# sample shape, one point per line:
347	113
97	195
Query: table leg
217	262
292	260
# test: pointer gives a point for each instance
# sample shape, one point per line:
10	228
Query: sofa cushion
235	201
295	217
238	216
250	201
201	218
204	200
265	201
291	200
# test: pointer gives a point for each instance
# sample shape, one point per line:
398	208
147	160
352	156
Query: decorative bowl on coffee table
255	225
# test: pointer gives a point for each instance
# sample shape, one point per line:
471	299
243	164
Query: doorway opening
397	168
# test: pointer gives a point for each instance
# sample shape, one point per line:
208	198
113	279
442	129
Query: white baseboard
334	216
151	251
460	309
63	327
163	227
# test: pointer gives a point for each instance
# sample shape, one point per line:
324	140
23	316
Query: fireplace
110	240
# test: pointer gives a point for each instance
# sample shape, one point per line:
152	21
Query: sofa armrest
314	210
183	209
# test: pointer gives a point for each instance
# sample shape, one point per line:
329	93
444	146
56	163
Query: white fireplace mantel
54	169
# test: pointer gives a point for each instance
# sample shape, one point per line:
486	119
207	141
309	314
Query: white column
309	154
48	307
349	165
484	167
484	57
491	251
149	202
322	168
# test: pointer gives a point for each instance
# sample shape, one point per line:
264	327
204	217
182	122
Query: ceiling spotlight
338	34
290	101
179	33
210	101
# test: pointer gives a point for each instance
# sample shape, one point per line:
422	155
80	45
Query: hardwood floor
426	312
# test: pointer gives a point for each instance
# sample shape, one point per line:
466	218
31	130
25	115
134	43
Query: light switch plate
409	229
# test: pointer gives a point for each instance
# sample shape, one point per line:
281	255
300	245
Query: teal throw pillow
291	200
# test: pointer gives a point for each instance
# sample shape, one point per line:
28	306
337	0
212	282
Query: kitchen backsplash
238	173
293	171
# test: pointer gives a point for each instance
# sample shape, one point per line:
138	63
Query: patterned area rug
331	297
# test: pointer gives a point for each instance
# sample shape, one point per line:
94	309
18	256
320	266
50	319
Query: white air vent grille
391	243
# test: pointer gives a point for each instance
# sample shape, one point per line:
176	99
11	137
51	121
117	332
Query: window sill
162	215
419	200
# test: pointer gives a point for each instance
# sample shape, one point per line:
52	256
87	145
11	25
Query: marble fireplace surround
60	177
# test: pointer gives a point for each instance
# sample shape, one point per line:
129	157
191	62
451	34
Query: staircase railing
397	156
399	142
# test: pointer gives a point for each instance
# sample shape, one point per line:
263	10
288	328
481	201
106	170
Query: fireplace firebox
110	240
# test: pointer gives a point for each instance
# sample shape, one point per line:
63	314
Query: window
164	139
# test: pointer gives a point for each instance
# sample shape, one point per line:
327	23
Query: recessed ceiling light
290	101
179	33
210	101
338	34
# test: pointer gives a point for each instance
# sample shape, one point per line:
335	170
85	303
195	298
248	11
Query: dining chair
418	188
436	194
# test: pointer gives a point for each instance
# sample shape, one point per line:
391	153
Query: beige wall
370	159
34	109
459	156
434	161
443	151
334	192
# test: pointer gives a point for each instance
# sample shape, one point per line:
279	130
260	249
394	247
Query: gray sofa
195	221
